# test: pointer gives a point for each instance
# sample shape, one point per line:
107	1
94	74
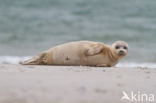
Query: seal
85	53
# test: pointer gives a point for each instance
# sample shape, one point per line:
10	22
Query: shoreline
17	59
72	84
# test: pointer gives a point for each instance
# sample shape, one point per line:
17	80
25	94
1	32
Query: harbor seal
85	53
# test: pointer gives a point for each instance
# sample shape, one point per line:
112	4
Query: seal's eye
117	47
125	47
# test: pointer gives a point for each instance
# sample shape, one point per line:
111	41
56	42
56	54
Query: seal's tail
36	60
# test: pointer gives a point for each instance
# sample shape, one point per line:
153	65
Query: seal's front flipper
39	59
95	49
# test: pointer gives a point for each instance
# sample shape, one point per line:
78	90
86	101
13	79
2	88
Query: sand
73	84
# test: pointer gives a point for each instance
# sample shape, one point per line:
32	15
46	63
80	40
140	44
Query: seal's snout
121	52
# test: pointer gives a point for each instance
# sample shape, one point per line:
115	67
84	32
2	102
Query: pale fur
86	53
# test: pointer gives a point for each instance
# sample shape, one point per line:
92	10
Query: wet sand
73	84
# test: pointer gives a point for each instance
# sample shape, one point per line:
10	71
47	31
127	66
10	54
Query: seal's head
120	48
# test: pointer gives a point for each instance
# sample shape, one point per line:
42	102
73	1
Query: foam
12	59
17	59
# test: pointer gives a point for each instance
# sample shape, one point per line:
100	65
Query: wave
12	59
132	64
17	59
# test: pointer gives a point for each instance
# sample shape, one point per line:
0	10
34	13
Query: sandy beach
73	84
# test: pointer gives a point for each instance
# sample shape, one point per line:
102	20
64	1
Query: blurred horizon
28	27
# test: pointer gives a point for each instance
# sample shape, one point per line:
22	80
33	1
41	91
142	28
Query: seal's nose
121	52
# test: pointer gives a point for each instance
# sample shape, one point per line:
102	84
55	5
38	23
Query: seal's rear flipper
39	59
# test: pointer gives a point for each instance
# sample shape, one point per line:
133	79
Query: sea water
28	27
